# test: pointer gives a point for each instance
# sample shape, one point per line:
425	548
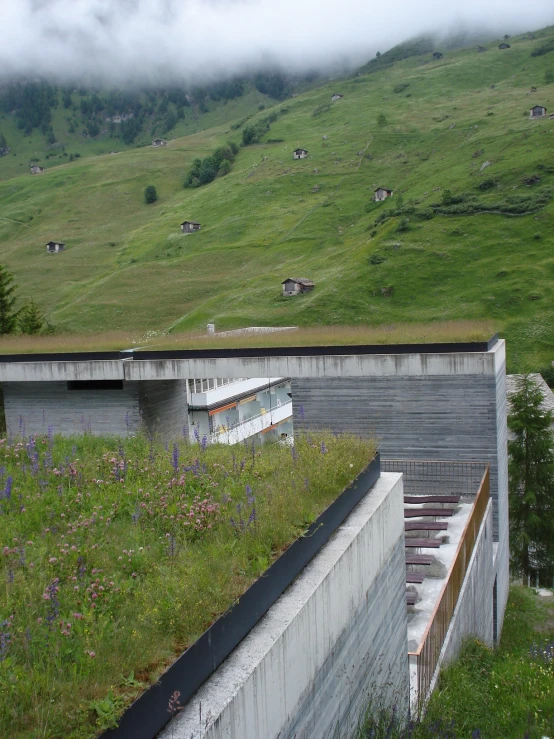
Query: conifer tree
531	484
31	319
8	314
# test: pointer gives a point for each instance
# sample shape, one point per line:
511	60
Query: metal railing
436	478
217	435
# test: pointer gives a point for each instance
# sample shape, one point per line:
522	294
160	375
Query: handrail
428	652
238	424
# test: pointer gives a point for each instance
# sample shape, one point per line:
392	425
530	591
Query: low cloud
146	41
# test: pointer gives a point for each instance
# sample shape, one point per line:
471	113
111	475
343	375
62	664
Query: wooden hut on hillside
382	193
299	153
53	247
296	285
188	227
537	111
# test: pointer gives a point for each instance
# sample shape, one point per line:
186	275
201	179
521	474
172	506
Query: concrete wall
454	417
334	641
163	408
473	615
474	612
502	549
31	407
158	407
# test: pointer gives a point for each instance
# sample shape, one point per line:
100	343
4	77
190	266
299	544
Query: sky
195	41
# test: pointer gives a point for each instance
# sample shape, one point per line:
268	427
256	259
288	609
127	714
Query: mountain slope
420	127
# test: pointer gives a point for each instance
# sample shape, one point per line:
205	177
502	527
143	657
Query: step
423	543
410	599
425	526
431	499
414	512
415	577
419	559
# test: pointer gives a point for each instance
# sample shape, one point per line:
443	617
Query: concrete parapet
336	640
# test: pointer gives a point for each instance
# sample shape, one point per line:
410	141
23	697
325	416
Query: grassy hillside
420	126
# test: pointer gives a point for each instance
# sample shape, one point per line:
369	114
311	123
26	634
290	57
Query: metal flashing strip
147	716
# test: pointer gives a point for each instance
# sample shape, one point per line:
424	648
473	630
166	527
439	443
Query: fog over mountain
118	41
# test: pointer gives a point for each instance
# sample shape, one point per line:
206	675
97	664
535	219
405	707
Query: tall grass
400	333
115	555
507	693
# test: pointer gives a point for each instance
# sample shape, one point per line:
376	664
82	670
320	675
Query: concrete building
504	46
229	411
445	403
336	96
159	142
437	55
300	154
35	169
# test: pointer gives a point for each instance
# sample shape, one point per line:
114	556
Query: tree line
531	485
26	319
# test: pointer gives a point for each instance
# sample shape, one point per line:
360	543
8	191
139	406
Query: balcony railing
234	433
435	478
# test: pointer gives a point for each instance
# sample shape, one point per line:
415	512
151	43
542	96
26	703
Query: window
95	385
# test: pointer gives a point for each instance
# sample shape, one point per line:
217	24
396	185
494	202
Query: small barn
537	111
188	227
159	142
336	96
382	193
35	169
53	247
297	285
437	55
504	46
299	153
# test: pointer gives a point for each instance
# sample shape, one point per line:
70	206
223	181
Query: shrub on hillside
316	112
150	194
206	170
544	48
487	185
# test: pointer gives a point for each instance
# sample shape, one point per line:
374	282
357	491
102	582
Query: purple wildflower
249	496
301	413
5	639
204	442
6	494
175	458
323	448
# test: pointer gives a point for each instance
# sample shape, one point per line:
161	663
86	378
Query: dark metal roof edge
147	716
278	351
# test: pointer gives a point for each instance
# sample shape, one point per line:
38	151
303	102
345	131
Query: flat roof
262	352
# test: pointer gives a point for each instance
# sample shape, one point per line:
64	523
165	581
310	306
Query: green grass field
127	267
117	554
505	693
